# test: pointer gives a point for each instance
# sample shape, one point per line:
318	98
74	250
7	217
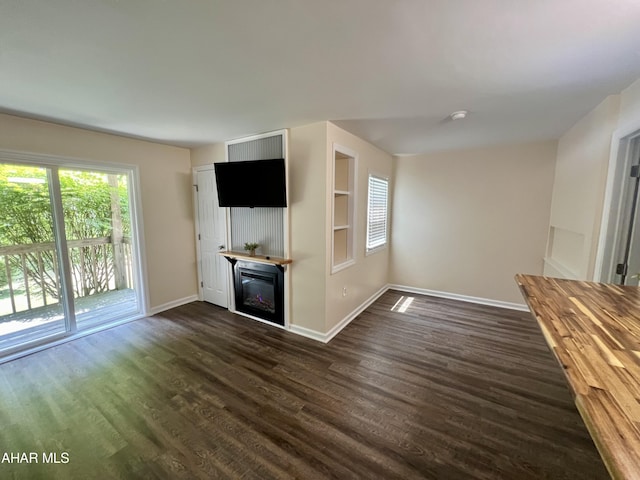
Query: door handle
220	247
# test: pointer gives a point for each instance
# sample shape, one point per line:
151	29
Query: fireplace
259	290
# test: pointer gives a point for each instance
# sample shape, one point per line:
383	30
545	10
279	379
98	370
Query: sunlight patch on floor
402	304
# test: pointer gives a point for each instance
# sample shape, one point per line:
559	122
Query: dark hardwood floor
443	390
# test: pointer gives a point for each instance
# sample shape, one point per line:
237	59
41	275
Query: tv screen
255	183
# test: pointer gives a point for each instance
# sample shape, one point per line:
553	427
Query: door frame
194	177
55	163
624	144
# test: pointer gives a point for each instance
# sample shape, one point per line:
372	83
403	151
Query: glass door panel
97	222
31	293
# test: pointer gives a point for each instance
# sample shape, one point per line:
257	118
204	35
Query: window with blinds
377	212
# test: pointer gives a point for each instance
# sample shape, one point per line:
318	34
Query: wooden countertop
594	331
256	258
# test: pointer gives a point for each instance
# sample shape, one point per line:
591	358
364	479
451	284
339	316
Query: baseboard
307	332
326	337
347	320
257	319
173	304
462	298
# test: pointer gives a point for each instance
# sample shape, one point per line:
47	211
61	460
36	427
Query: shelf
342	207
257	258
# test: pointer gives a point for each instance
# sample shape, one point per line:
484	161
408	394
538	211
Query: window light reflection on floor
402	304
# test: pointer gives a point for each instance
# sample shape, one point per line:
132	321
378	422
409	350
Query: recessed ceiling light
459	115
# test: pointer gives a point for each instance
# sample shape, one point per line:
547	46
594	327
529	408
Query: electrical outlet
344	291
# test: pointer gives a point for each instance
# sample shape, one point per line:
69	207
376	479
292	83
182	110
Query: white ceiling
194	72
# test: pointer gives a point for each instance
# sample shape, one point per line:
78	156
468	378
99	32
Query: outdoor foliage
26	219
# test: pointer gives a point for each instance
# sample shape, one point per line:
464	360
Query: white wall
578	192
465	222
208	154
630	108
370	272
584	156
165	179
317	300
307	209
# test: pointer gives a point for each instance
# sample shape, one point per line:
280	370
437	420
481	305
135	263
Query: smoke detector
459	115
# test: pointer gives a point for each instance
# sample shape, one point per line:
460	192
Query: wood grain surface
255	258
414	388
594	331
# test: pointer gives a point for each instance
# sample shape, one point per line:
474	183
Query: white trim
377	249
62	162
286	217
173	304
135	201
462	298
251	138
48	343
194	181
286	213
370	251
137	227
54	163
326	337
258	319
609	228
347	320
613	209
61	250
343	265
196	228
307	332
352	206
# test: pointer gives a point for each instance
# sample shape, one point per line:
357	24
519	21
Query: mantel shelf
256	258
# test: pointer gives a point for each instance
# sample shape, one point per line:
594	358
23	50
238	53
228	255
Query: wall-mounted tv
255	183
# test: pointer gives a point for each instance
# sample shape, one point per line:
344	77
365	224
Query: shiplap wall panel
260	149
261	225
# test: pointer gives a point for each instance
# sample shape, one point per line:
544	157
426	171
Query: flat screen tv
255	183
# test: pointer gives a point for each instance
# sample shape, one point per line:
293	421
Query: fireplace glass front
259	291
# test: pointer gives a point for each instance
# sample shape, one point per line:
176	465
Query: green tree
26	218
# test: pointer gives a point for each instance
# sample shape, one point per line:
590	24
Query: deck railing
30	272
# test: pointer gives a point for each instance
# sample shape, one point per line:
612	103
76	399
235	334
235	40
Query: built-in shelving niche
343	212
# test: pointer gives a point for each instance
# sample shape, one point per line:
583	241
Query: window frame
54	164
372	176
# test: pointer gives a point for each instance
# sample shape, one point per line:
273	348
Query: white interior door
212	238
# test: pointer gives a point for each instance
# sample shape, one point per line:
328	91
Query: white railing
29	273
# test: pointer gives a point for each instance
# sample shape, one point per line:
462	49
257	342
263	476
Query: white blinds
377	212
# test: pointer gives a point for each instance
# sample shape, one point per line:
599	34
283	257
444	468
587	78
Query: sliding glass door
97	223
30	286
68	260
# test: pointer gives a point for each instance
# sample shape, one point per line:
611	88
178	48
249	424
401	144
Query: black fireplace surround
259	290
